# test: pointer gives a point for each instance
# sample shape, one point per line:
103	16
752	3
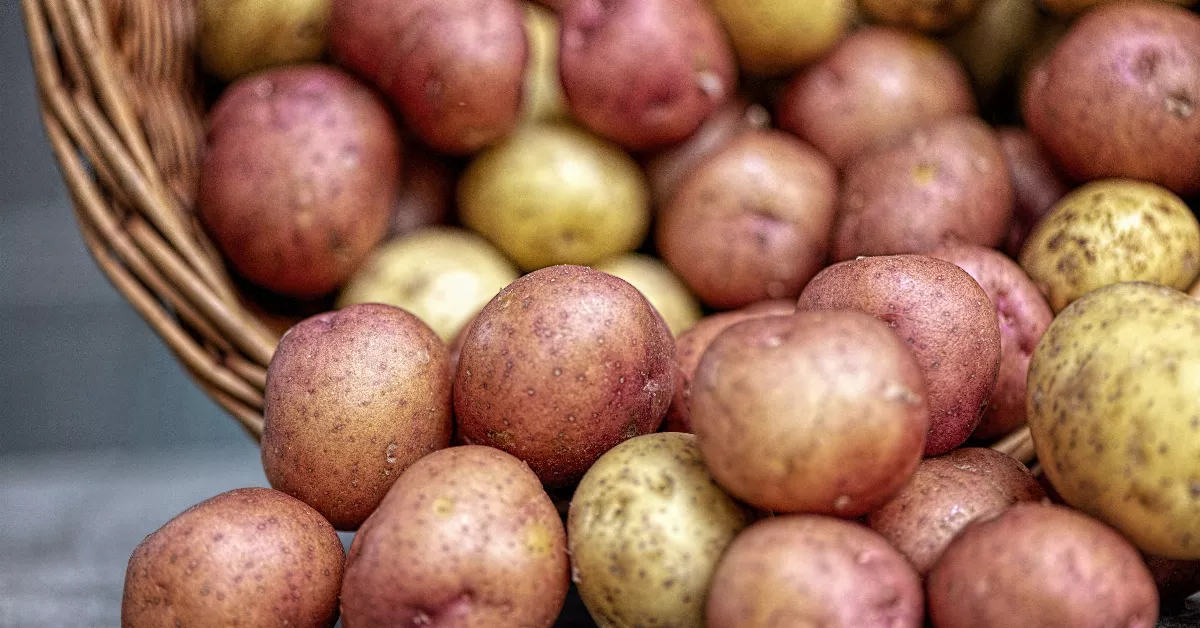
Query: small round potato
251	557
659	284
945	494
555	194
921	15
1112	231
1040	565
237	37
646	529
777	36
466	537
1037	184
808	570
1068	8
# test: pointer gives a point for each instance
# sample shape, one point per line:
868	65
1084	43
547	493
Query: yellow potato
993	42
542	98
922	15
441	275
1111	231
1068	8
240	36
775	36
1114	409
556	194
660	285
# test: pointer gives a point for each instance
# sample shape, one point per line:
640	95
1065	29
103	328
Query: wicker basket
121	104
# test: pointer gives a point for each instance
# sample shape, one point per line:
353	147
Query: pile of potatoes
705	310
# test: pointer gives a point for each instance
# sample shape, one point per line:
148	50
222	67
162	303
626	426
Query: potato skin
944	317
1176	580
646	528
773	37
752	222
821	412
876	84
1111	362
220	561
426	194
466	537
1040	565
1195	291
659	284
1037	184
810	570
944	495
613	90
299	176
943	183
353	398
921	15
453	68
1111	231
991	44
240	36
562	365
1068	8
1118	96
1023	315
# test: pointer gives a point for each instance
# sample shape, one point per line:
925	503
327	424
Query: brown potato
943	315
807	570
1118	96
944	183
562	365
822	412
877	84
752	222
1037	184
299	176
644	74
249	557
1177	580
1041	565
466	537
426	193
353	398
455	69
921	15
945	494
1023	316
691	344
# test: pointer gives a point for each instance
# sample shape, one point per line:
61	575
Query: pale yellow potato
923	15
1068	8
660	285
441	275
238	37
775	36
1114	409
1111	231
542	98
556	194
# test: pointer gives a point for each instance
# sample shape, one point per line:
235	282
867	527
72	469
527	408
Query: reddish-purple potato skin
353	398
1118	96
426	193
1041	565
943	183
248	557
944	316
465	538
644	74
299	175
562	365
1037	185
1023	315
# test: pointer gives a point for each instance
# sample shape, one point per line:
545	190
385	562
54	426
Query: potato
442	275
1040	565
691	344
426	194
237	37
453	68
644	74
809	570
1195	291
299	176
752	222
1176	580
876	84
249	557
661	287
1114	409
554	194
1036	183
543	97
944	317
822	412
562	365
991	43
1067	8
1023	316
944	495
1111	231
943	183
773	37
922	15
1118	95
646	528
466	537
353	398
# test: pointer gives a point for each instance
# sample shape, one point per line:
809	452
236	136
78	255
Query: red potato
426	193
455	69
644	74
1037	184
